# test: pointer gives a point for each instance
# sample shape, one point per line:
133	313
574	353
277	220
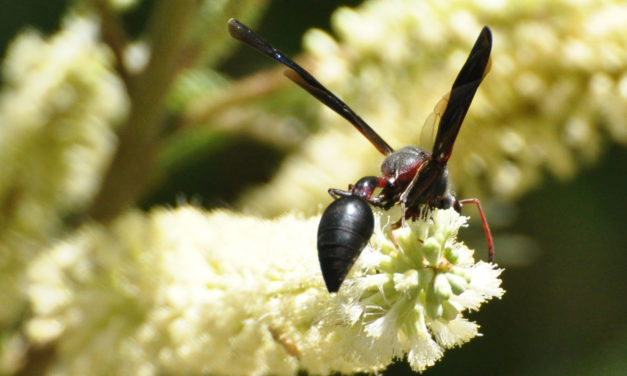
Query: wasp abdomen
344	231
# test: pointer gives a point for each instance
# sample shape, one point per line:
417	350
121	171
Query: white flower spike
185	291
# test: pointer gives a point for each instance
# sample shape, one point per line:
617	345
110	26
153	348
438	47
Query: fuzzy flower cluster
557	88
188	292
58	106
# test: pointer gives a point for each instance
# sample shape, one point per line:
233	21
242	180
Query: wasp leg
484	221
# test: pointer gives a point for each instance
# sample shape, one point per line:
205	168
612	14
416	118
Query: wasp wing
463	91
305	80
427	133
454	107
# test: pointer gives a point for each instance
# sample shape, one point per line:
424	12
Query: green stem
129	170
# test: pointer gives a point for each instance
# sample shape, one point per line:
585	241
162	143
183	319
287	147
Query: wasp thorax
403	163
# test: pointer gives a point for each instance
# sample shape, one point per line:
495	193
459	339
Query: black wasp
412	177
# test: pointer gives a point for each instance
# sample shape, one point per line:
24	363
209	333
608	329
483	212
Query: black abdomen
344	230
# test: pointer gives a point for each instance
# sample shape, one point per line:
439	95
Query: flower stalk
129	170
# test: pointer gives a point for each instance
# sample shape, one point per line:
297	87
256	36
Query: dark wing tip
484	41
486	34
236	28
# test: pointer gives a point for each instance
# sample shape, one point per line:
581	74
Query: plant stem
129	170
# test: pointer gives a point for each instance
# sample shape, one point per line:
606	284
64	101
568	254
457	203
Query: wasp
411	177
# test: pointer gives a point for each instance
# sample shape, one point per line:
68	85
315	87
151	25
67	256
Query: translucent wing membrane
305	80
427	133
463	91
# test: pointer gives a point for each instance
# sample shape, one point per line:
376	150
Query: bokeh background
562	239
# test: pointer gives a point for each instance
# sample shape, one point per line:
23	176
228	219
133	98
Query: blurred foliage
543	144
